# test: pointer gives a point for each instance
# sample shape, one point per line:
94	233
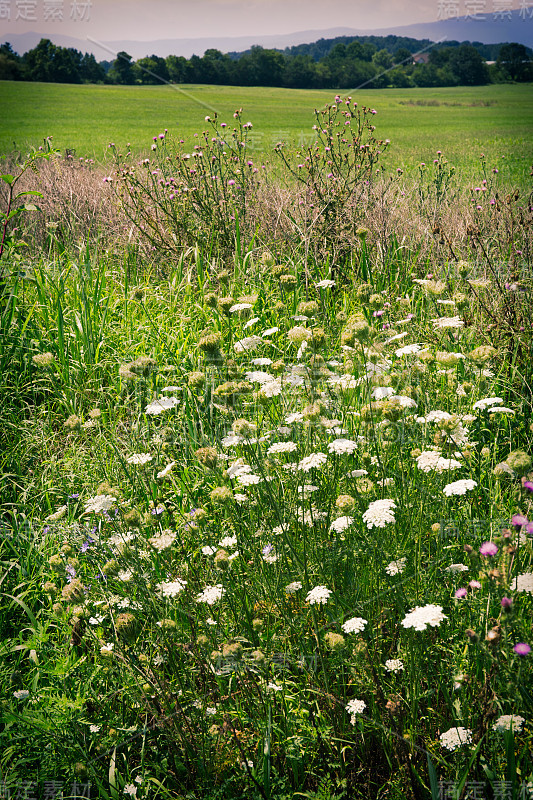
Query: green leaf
8	179
33	192
433	782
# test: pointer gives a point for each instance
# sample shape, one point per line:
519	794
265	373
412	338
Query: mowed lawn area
462	122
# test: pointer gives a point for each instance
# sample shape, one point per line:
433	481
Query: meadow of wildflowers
267	515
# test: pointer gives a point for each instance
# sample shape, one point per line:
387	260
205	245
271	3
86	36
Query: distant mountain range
518	27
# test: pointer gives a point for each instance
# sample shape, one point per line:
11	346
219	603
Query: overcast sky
162	19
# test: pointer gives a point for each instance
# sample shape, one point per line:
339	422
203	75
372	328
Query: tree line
342	63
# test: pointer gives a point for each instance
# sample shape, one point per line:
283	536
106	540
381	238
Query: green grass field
462	122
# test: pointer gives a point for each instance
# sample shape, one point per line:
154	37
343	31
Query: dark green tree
122	70
468	66
515	61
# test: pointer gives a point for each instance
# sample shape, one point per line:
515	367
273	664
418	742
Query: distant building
421	58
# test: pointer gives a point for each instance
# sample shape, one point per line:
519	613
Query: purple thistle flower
460	593
488	549
506	603
528	485
522	649
518	520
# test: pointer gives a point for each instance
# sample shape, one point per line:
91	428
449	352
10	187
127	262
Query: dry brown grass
79	208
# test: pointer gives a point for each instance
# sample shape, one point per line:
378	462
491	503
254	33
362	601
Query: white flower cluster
342	446
211	594
354	625
319	595
312	461
396	567
355	707
341	523
293	587
459	487
162	404
443	323
163	540
139	459
523	583
455	737
508	721
431	460
422	616
171	588
394	665
281	447
101	502
379	514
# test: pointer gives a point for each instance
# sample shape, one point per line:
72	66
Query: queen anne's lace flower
459	487
102	502
485	402
354	625
341	523
508	721
341	446
355	707
455	737
171	588
139	459
396	567
394	665
211	594
523	583
293	587
422	616
442	323
282	447
313	461
379	513
162	404
318	595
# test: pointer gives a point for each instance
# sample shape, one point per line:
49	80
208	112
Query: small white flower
408	350
211	594
356	707
139	459
456	568
21	694
163	540
382	392
508	721
312	461
248	343
459	487
162	404
422	616
297	416
396	567
167	470
248	479
240	307
394	665
228	541
442	323
342	446
379	514
130	789
261	362
207	550
354	625
102	502
341	523
455	737
500	410
171	588
269	332
293	587
523	583
232	440
486	402
258	376
282	447
326	283
320	595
